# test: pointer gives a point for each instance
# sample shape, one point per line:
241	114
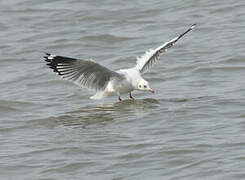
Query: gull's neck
132	75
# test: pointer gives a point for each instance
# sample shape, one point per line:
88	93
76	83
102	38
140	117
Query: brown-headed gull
87	73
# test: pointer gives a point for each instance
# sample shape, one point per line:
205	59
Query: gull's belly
125	90
124	87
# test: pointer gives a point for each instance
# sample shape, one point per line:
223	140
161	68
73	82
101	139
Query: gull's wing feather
146	61
84	73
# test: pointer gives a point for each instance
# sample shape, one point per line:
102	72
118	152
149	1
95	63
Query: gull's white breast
132	76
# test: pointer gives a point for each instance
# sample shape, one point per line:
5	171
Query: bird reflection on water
97	116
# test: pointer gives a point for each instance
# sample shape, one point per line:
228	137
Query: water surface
191	128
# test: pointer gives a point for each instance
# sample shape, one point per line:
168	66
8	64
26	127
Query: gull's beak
150	90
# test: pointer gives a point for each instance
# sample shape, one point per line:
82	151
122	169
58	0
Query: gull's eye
144	86
139	86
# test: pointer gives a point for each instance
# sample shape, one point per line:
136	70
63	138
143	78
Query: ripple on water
108	38
193	129
98	116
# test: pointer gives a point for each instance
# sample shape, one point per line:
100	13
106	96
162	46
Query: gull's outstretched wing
146	61
84	73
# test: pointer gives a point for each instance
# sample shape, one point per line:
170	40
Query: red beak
150	90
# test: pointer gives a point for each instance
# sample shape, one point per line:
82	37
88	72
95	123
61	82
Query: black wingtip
193	26
46	57
189	29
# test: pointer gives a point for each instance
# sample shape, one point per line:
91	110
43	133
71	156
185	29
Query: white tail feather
99	95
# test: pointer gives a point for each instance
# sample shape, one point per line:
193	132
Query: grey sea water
193	127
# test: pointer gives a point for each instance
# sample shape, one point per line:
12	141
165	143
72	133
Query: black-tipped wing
146	61
84	73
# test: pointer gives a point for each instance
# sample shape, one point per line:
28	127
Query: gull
89	74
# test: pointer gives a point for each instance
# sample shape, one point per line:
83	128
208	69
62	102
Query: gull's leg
131	97
119	98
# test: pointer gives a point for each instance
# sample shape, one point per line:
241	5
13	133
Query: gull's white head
143	85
